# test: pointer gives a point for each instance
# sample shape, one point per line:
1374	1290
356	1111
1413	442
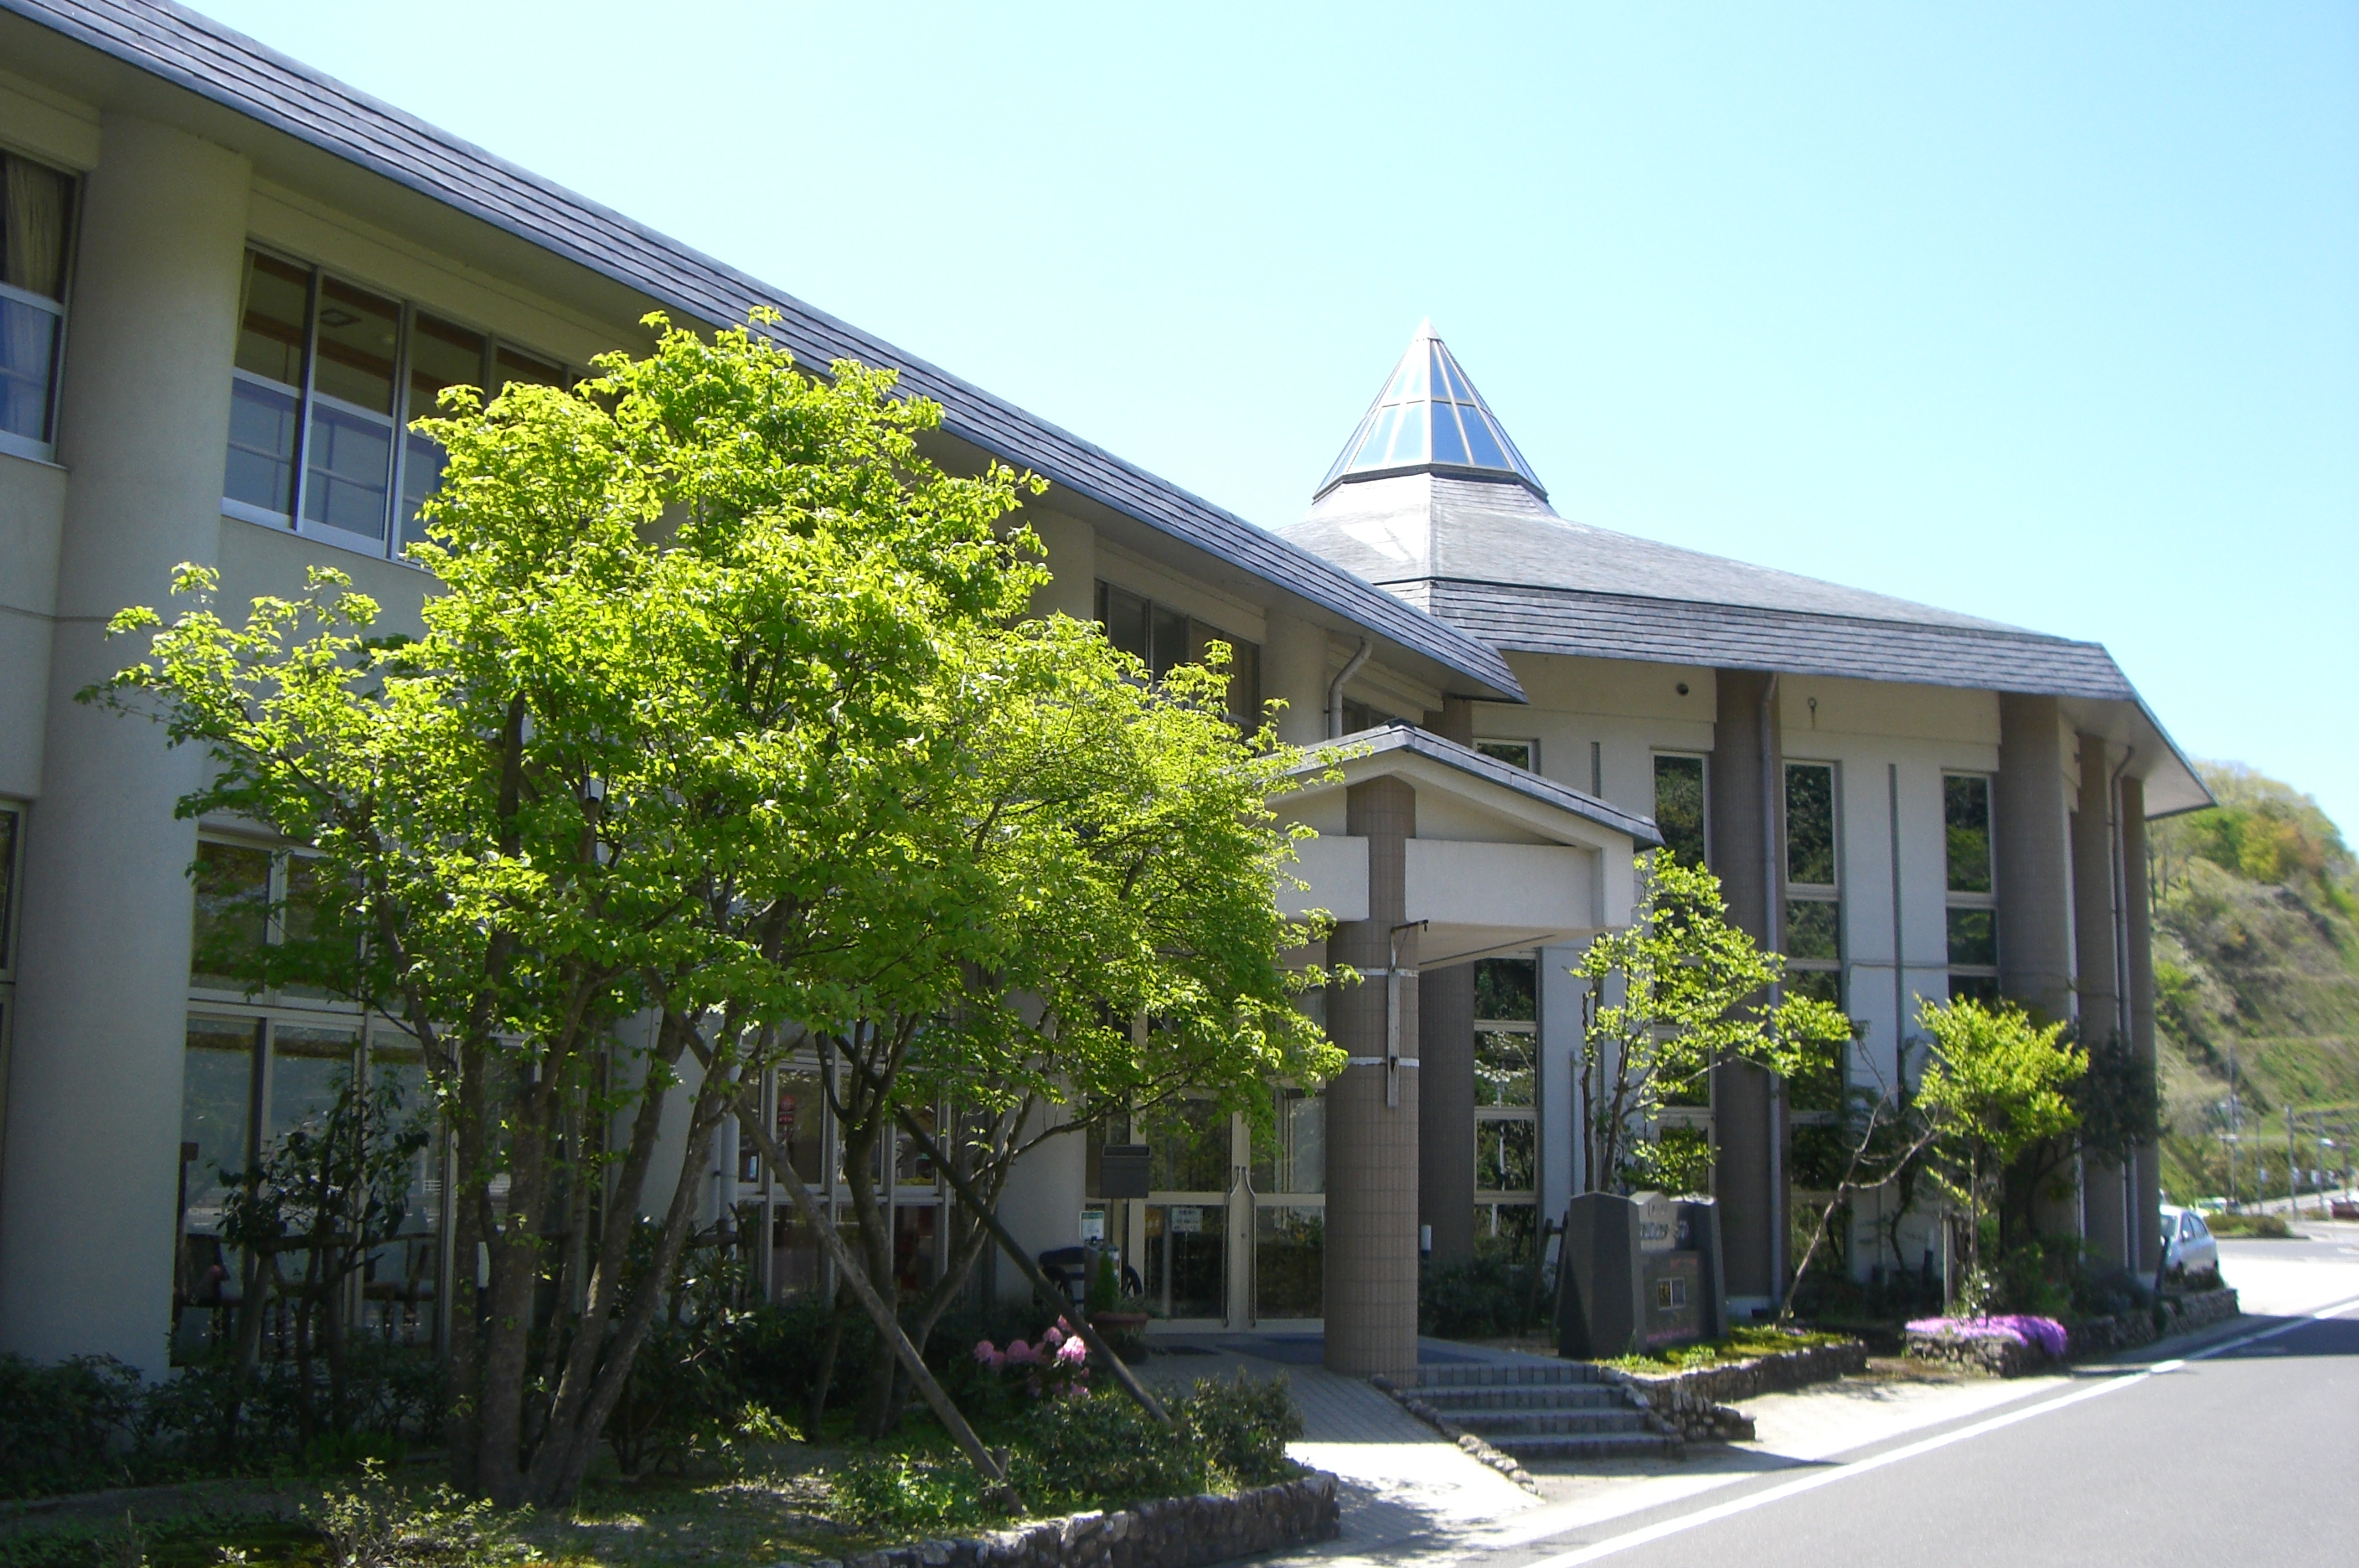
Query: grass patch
1741	1344
2272	1227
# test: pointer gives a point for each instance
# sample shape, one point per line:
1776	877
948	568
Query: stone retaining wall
2092	1336
1696	1404
1176	1532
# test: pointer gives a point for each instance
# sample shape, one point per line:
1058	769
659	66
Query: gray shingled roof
1405	528
1496	561
1466	760
1742	636
226	67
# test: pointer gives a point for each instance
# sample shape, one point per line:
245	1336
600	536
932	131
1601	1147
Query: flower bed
2010	1347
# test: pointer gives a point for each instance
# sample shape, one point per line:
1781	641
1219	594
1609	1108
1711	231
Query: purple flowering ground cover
2021	1327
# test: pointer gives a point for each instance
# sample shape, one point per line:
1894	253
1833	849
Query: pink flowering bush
1056	1367
2046	1333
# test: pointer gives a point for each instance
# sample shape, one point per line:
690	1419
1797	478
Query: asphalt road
2241	1446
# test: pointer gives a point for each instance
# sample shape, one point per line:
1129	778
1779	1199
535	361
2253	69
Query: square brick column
1371	1135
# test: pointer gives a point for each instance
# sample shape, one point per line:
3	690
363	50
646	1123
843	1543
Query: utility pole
2236	1130
2293	1183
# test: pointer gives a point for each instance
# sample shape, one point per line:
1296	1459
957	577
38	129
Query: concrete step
1507	1375
1460	1402
1603	1445
1500	1426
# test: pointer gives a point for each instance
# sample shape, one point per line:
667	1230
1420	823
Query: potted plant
1112	1314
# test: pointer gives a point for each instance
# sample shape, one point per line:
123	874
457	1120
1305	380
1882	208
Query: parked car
2188	1250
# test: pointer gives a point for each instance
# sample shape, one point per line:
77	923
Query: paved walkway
1405	1488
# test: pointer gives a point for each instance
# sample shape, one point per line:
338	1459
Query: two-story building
226	284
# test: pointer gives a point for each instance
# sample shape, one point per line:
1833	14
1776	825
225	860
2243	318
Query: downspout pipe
1335	687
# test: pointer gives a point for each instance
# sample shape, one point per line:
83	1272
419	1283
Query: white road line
1812	1483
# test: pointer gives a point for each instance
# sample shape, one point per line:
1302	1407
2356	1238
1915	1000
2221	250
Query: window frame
1192	630
203	997
1981	977
374	1040
1703	774
1488	1201
46	449
1827	895
393	544
1531	745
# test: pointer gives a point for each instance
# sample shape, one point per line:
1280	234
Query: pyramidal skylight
1429	420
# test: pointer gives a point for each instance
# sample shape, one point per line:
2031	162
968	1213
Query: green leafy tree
1690	992
1995	1084
697	753
1124	948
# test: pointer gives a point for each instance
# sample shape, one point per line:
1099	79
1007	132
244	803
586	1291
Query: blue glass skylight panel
1431	415
1409	437
1448	446
1481	447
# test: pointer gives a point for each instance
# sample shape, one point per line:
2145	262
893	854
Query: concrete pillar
1372	1145
2034	860
2034	854
1294	670
2095	949
1747	806
2137	984
1445	1140
86	1200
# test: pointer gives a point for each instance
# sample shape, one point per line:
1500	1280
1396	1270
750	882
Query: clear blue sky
2048	313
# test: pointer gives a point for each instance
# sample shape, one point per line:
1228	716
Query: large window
36	233
1813	884
249	898
327	376
1160	637
249	1082
1506	1095
1679	807
1972	886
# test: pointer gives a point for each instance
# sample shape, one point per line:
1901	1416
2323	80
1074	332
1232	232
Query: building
225	283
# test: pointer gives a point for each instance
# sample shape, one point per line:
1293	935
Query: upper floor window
1813	887
1161	637
1679	807
327	376
249	898
1971	913
35	228
1523	753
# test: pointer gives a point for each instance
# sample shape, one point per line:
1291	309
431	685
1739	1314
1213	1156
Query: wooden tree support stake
1041	1284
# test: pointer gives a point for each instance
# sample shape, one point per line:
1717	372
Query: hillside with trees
2257	978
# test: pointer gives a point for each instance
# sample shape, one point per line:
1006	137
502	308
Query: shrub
66	1427
1104	1452
899	1493
376	1525
1487	1298
1242	1427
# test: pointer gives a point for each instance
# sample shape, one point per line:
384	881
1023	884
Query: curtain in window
33	256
